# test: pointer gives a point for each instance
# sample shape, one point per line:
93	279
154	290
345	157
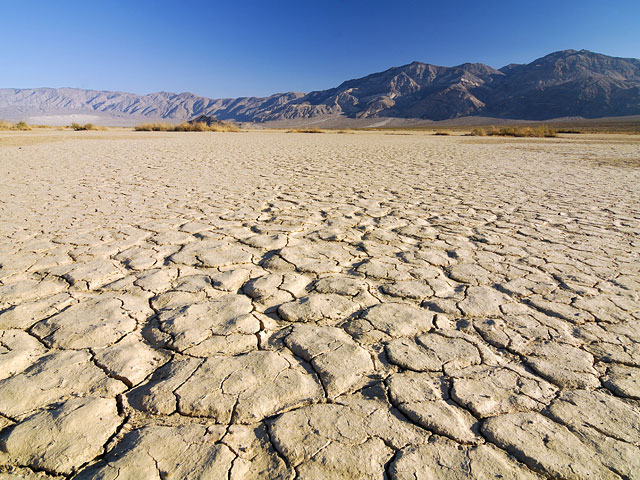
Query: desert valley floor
318	306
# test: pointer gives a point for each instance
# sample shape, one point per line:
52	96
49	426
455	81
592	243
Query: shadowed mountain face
562	84
569	83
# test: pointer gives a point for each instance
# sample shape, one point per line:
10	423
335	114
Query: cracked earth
271	305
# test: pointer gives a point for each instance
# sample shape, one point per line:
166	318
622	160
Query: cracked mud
271	305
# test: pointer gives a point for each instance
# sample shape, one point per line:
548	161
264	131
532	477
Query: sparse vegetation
442	132
305	130
87	126
4	125
543	131
568	130
187	127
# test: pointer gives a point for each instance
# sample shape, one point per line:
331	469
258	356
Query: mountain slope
565	83
20	103
569	83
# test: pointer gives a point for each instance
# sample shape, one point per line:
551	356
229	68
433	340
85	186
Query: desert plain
319	306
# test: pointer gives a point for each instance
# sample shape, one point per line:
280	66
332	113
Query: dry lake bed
319	306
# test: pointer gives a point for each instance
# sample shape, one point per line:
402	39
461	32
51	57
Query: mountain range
567	83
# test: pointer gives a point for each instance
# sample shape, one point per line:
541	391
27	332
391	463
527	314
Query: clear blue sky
242	48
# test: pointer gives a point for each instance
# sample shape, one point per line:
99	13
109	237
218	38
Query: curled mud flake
545	446
55	377
18	292
59	439
399	319
94	322
482	302
444	458
490	391
18	350
424	399
247	388
130	360
623	381
316	307
431	352
329	441
186	451
339	362
206	328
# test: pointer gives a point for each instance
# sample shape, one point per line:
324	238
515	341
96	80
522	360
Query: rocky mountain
562	84
568	83
129	107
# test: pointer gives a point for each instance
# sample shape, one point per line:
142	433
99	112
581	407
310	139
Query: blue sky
242	48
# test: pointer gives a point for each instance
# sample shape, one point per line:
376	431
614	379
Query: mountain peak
566	83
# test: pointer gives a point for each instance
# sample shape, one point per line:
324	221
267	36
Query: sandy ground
273	305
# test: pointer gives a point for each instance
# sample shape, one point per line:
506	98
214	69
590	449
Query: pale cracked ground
271	305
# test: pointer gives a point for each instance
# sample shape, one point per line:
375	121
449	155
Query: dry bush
87	126
543	131
442	132
4	125
477	132
187	127
153	127
568	130
305	130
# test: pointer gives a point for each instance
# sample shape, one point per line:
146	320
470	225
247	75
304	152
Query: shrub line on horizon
187	127
87	126
543	131
4	125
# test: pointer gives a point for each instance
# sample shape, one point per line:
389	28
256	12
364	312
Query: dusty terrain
272	305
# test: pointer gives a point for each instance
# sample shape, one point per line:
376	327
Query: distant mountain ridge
567	83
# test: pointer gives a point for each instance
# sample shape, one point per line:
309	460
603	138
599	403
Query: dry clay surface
272	305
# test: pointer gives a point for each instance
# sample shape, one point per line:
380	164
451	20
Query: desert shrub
442	132
4	125
515	131
305	130
186	127
544	131
568	130
477	132
152	127
87	126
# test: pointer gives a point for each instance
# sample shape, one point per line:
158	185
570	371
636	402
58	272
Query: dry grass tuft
305	130
542	131
153	127
187	127
4	125
568	130
87	126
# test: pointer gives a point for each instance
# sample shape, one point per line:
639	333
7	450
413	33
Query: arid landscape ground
319	306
